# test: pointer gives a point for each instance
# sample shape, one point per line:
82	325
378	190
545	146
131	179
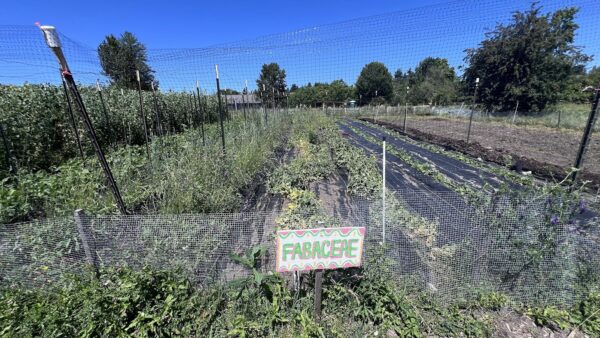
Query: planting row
37	130
181	175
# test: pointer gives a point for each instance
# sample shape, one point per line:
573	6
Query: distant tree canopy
593	77
121	57
375	84
337	92
432	82
271	81
228	91
532	60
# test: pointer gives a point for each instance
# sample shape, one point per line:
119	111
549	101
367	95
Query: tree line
530	62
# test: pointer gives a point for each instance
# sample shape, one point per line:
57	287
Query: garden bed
548	154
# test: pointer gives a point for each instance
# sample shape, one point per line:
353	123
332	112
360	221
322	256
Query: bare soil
547	152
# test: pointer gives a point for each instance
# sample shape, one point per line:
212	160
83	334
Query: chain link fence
451	248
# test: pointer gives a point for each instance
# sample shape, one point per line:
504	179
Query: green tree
374	81
529	60
336	92
271	81
594	77
229	91
401	81
121	57
433	82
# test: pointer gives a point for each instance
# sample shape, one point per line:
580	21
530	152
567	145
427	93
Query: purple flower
554	220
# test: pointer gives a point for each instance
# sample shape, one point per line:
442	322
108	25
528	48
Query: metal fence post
137	75
244	105
220	107
472	109
405	110
157	111
587	135
201	108
72	118
104	110
7	152
53	42
86	241
383	195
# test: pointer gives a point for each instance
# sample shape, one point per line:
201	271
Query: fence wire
445	246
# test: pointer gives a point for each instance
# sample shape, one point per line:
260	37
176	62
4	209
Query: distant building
235	101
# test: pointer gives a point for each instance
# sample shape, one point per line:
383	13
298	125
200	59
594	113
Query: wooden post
318	293
87	243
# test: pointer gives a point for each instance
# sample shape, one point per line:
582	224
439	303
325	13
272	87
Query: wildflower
554	220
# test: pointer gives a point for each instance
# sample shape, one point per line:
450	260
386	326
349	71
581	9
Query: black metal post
104	110
273	101
244	104
196	107
53	41
201	108
7	152
157	111
137	73
72	118
93	138
191	108
227	106
219	105
405	110
587	135
472	109
265	108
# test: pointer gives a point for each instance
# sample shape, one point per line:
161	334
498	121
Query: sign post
319	249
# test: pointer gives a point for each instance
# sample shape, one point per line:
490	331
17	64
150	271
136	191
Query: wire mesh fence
445	246
317	56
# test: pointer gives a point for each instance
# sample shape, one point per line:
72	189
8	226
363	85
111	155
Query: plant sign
318	249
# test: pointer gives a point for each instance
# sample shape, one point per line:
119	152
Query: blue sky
176	23
313	40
